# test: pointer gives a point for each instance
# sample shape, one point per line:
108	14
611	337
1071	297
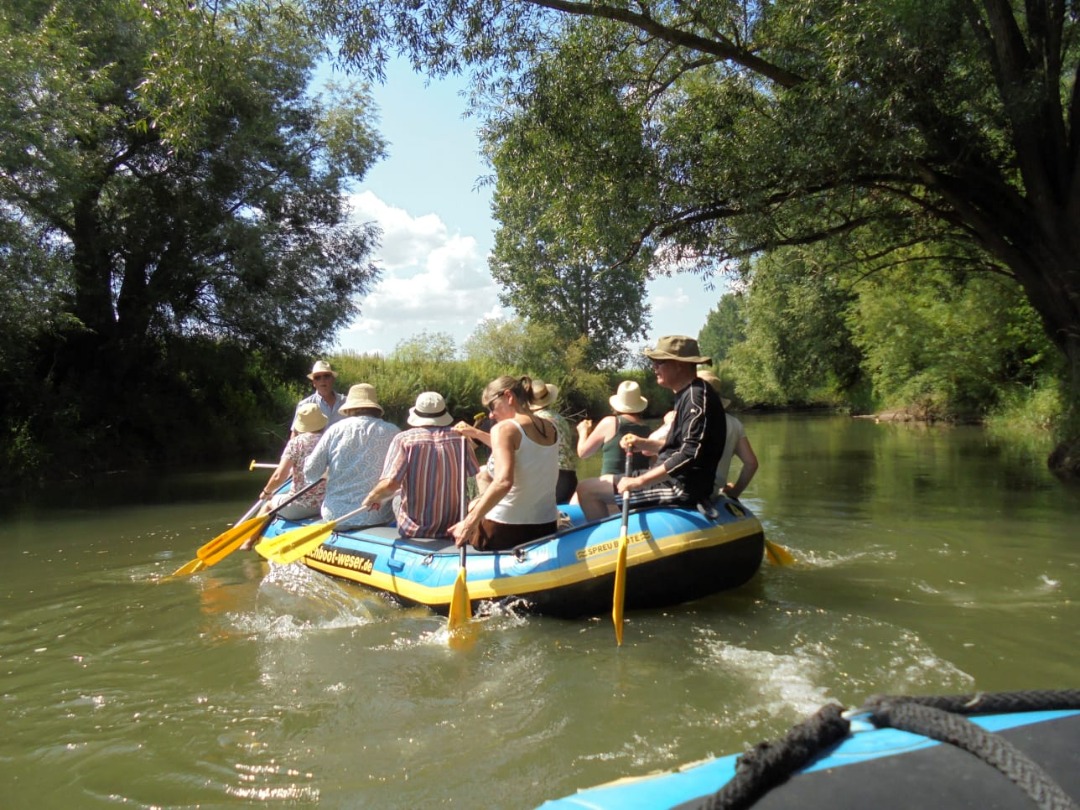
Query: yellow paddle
620	563
230	540
460	607
224	544
292	545
777	554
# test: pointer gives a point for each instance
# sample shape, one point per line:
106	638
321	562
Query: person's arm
691	420
589	442
384	489
746	455
278	477
639	444
465	429
650	476
504	441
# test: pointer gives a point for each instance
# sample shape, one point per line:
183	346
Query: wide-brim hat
628	398
680	348
361	395
309	419
544	394
714	381
429	411
321	367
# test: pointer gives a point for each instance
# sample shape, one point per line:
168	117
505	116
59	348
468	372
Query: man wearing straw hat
687	457
425	465
351	454
329	401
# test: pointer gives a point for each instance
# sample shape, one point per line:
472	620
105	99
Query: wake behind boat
675	555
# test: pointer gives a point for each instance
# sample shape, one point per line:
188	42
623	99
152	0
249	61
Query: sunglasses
491	402
318	377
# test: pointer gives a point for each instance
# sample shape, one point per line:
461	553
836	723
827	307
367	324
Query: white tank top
532	497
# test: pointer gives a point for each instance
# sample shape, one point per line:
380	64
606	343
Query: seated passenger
736	444
307	430
688	456
425	464
543	405
627	404
519	504
351	453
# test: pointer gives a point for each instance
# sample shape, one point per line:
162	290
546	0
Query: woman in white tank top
519	504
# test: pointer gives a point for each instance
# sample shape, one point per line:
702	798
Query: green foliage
797	349
945	344
724	327
942	123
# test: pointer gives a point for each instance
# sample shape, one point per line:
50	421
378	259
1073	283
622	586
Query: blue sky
438	230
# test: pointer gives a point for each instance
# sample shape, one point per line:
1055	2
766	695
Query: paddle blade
292	545
243	530
620	588
189	568
777	554
460	608
253	528
461	630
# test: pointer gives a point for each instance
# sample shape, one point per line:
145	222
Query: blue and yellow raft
675	555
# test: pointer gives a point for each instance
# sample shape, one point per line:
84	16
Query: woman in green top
627	404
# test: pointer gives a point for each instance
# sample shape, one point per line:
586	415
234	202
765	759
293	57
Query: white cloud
432	281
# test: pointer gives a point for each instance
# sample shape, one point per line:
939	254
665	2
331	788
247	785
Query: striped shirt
426	463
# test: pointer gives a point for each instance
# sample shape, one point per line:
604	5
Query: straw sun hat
321	367
628	398
543	394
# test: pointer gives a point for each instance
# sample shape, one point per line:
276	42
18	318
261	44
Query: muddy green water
931	561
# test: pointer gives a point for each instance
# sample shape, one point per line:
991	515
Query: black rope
941	718
948	727
769	764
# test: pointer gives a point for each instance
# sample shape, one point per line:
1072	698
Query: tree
798	348
724	327
948	123
169	180
560	253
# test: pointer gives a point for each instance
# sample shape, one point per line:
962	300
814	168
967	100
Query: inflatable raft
1005	751
674	555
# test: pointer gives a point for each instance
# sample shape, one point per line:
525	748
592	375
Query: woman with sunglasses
519	503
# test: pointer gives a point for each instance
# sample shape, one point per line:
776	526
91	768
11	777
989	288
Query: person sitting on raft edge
687	458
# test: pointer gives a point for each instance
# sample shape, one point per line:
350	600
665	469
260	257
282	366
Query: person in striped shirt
424	464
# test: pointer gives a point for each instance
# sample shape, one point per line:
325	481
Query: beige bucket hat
309	419
361	395
544	394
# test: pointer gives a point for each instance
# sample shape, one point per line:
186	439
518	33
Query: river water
930	560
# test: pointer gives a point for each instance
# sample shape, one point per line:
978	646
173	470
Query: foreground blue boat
897	752
675	555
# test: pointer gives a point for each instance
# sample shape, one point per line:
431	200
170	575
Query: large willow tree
946	123
166	182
